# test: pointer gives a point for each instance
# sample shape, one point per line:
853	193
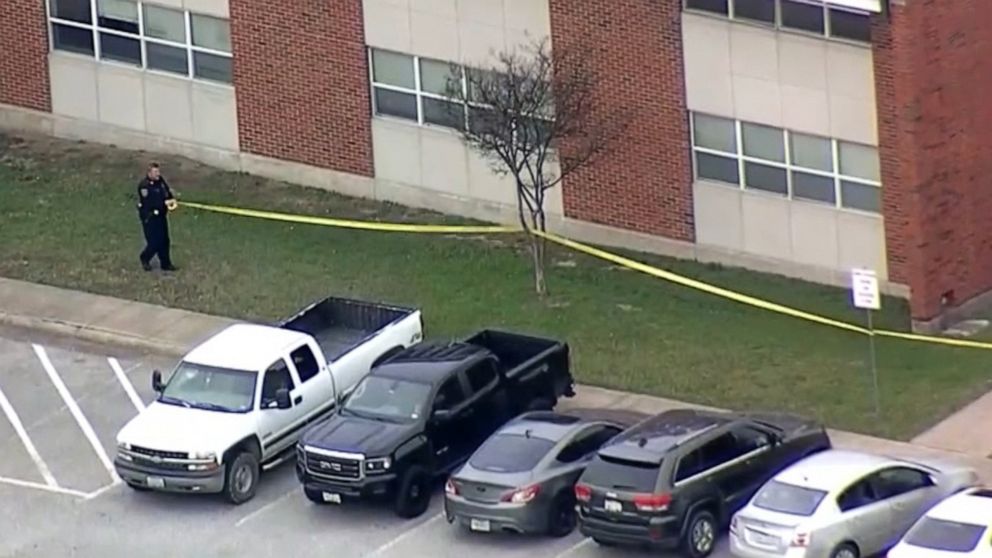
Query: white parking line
45	487
404	535
15	421
263	509
574	547
77	413
100	491
126	384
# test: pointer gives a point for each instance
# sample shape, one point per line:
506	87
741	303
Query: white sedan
959	526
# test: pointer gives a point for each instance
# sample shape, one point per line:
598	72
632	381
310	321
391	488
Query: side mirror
282	399
157	386
441	415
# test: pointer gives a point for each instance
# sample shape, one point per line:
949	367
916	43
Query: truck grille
147	452
321	465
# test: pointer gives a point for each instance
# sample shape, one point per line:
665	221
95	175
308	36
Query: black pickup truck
422	412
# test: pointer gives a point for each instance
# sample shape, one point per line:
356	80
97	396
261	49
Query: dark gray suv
675	479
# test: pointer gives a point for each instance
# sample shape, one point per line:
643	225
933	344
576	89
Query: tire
314	496
413	494
845	550
563	517
700	535
241	478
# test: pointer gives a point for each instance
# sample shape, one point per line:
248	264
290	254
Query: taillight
523	495
801	539
583	493
652	502
450	488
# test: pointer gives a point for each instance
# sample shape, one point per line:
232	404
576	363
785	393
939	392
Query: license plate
332	497
155	482
612	506
479	525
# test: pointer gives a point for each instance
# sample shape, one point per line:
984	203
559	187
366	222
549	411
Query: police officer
155	201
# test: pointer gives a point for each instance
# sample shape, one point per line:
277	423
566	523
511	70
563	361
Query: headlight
203	455
378	465
124	446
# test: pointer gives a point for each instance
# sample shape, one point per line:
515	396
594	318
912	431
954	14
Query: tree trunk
537	251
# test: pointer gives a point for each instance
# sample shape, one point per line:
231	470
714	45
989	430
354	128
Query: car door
722	462
758	460
486	403
865	518
276	426
447	435
909	492
316	389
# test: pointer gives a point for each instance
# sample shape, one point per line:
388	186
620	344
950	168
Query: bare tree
535	115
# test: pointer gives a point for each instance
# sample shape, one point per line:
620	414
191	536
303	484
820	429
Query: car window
781	497
510	453
587	443
948	536
750	439
894	481
305	363
450	395
857	495
622	474
715	452
481	375
276	377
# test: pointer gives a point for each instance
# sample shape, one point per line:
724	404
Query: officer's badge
144	192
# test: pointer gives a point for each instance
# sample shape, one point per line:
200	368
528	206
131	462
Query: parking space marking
126	384
263	509
574	547
45	487
15	421
77	413
405	535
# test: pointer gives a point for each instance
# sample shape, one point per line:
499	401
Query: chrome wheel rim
845	553
703	536
243	479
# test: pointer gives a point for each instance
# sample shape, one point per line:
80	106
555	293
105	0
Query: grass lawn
67	218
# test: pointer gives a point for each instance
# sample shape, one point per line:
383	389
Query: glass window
811	152
787	498
755	10
435	75
587	443
72	10
865	197
167	58
481	375
713	132
388	398
859	495
483	121
72	39
212	67
750	439
798	14
715	167
444	113
715	6
450	395
390	68
607	472
211	32
900	480
120	15
211	388
394	103
859	160
163	23
277	377
305	363
765	177
763	142
510	453
120	49
850	25
947	536
813	187
482	84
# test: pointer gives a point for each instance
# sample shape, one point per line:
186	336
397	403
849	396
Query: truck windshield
211	388
382	398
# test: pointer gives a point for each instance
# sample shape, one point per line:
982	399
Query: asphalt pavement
61	405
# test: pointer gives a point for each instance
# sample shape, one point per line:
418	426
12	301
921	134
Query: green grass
67	218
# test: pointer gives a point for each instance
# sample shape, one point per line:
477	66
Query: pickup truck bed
524	359
339	324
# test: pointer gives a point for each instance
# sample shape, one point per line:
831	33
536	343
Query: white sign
874	6
864	289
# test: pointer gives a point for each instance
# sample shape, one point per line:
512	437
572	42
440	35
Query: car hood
358	435
174	428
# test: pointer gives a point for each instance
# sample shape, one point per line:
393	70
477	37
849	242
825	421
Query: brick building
804	137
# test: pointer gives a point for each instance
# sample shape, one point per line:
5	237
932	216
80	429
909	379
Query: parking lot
62	404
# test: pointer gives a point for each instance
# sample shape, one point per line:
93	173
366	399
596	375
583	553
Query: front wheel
700	535
413	495
846	550
241	478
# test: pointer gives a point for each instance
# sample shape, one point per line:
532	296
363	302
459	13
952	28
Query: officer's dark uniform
152	195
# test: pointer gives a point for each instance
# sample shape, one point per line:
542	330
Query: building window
792	164
145	35
810	16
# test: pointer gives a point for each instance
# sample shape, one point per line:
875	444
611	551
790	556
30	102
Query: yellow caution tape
603	255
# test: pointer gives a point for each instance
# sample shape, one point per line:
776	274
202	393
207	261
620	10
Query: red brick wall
301	76
24	55
646	185
933	65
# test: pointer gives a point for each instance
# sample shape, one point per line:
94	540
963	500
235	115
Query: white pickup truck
237	402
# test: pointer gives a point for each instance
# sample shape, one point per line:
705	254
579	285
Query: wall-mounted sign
874	6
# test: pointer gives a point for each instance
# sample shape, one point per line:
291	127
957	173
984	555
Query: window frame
304	378
143	40
262	402
827	10
452	407
487	366
788	166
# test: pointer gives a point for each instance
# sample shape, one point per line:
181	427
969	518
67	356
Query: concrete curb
92	334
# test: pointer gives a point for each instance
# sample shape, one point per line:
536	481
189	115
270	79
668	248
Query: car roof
833	469
546	424
247	347
654	437
430	362
965	507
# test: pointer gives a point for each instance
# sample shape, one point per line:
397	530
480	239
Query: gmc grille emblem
333	466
